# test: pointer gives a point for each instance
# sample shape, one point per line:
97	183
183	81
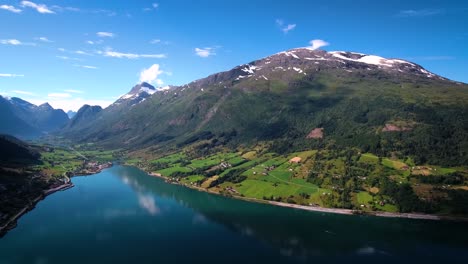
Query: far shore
12	222
420	216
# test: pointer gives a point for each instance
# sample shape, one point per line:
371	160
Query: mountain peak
46	106
142	87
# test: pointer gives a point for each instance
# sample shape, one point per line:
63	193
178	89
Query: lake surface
122	215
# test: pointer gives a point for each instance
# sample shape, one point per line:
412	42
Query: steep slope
28	120
44	116
85	114
16	152
10	123
385	106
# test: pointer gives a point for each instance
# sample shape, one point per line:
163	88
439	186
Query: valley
247	131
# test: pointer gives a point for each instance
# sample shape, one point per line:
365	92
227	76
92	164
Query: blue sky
71	52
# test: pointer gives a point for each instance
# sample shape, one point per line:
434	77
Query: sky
72	52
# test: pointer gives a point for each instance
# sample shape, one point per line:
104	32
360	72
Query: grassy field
271	176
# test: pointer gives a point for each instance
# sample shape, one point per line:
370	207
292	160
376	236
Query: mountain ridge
282	98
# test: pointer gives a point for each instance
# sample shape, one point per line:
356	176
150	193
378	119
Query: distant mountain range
292	100
23	119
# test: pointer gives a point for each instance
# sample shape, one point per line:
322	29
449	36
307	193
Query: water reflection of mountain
303	234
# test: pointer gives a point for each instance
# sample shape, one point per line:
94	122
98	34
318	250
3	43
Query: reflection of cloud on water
147	202
367	250
199	219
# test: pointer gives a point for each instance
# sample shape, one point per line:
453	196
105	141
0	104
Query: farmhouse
295	160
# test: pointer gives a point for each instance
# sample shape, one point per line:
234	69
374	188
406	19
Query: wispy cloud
158	41
151	74
154	6
10	8
94	42
103	34
15	42
11	75
44	39
205	52
10	42
23	92
317	44
59	95
68	58
73	91
122	55
284	27
66	8
41	8
86	66
420	12
80	52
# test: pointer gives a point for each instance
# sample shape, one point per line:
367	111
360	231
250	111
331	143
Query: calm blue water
122	215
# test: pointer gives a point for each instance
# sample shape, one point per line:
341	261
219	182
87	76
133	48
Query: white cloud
105	34
120	55
151	74
80	52
288	28
284	28
318	43
86	67
94	42
14	42
154	6
66	8
44	39
73	91
10	8
11	75
59	95
41	8
68	58
23	92
158	41
204	52
420	12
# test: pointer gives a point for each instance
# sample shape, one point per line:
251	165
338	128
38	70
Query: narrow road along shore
324	209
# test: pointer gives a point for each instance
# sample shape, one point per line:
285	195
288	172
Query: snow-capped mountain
306	61
139	93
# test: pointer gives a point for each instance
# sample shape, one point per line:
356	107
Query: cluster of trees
452	178
233	175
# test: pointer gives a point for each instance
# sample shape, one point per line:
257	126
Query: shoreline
12	222
418	216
